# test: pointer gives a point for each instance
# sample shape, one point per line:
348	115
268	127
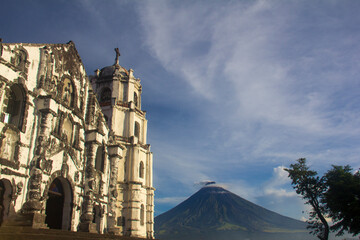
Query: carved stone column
32	209
115	155
86	219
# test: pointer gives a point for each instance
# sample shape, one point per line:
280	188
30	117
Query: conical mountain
215	213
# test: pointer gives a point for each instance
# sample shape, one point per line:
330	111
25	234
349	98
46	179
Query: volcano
214	213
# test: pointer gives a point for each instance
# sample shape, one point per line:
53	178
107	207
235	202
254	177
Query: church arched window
105	95
14	113
141	170
100	161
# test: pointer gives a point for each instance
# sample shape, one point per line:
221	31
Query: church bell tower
119	95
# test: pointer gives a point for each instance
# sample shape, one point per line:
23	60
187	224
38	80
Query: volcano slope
214	213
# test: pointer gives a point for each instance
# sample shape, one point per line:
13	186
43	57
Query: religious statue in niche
19	58
52	84
67	130
68	92
8	145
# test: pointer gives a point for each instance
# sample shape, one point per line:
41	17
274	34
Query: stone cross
117	55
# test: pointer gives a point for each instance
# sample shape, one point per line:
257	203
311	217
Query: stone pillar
150	212
33	209
87	216
115	155
133	210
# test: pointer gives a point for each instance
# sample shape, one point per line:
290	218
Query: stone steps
28	233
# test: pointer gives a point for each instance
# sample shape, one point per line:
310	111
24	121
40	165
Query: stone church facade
73	148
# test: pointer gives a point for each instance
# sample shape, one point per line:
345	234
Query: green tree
342	199
311	187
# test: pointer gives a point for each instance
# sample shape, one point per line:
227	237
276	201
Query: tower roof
114	70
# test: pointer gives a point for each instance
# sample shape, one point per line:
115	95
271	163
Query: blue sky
234	90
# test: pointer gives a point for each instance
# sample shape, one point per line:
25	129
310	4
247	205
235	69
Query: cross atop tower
117	56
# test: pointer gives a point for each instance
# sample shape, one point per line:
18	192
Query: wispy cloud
277	82
171	200
245	61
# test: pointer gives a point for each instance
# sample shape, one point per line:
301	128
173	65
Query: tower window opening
141	170
136	101
105	95
137	130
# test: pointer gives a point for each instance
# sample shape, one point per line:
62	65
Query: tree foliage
335	195
311	187
342	199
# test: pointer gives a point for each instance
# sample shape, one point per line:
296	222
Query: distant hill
214	213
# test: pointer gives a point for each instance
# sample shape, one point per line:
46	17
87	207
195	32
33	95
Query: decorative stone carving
100	123
68	92
9	144
113	193
19	187
65	166
9	172
111	137
53	147
19	60
92	184
91	113
100	186
45	165
90	171
46	79
17	190
63	120
76	176
33	204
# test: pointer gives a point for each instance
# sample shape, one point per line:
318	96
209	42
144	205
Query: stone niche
9	145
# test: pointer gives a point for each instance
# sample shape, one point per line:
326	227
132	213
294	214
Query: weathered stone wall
60	142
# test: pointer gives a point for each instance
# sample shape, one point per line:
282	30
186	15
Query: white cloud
170	200
279	193
276	87
275	186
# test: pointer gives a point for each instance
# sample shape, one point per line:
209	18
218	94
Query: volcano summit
216	213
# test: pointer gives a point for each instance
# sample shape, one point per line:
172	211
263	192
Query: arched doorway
5	199
59	205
